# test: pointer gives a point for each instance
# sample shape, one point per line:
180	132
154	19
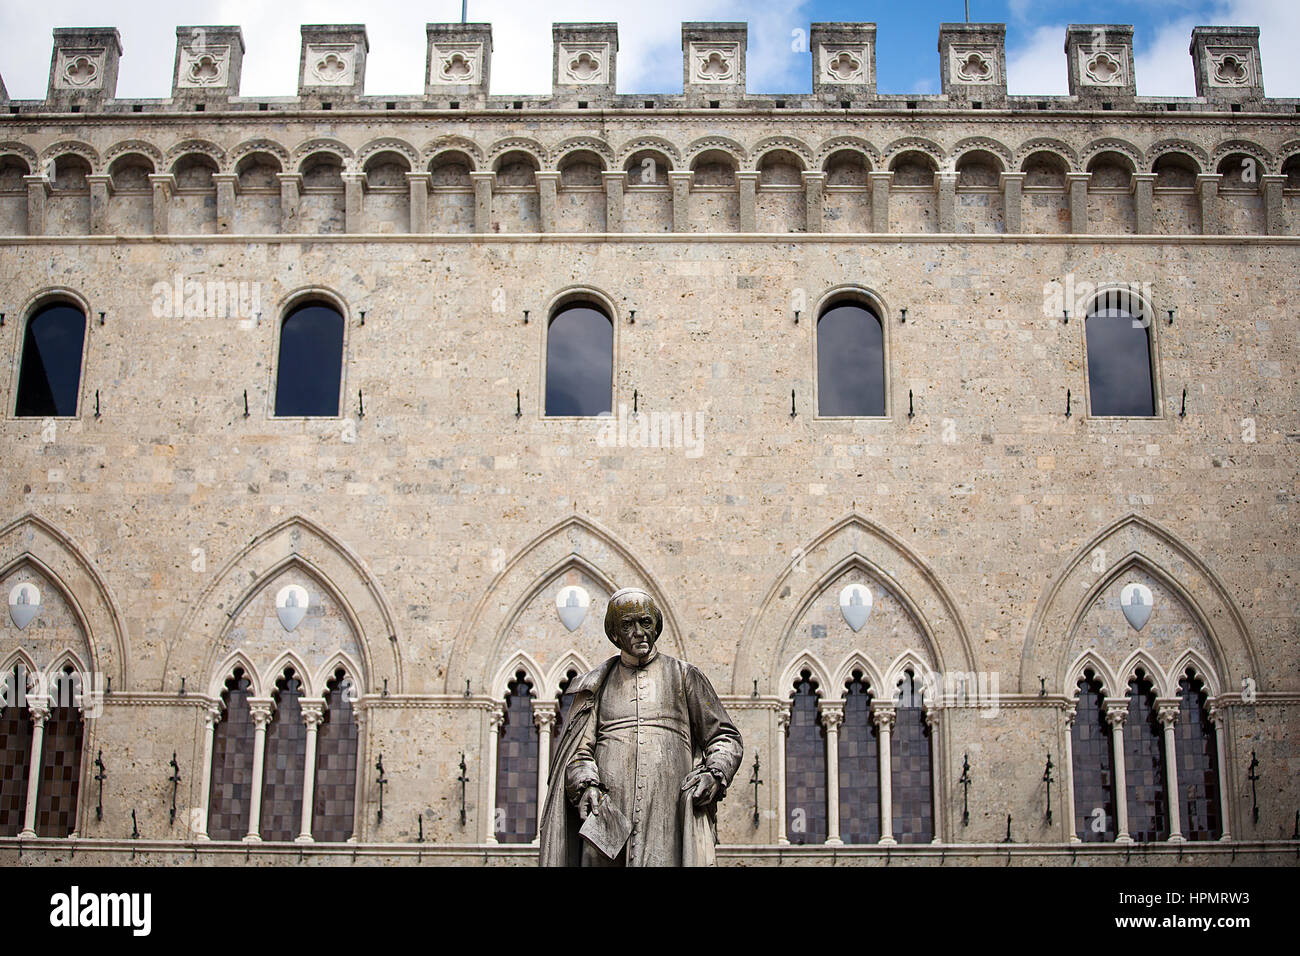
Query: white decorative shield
572	603
855	605
291	605
24	602
1136	601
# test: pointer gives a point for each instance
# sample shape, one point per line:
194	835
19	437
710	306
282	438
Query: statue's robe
636	731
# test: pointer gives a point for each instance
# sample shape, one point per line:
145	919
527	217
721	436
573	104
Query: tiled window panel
56	795
285	768
910	768
1198	763
859	768
517	767
1093	766
333	809
15	758
232	763
805	767
1144	764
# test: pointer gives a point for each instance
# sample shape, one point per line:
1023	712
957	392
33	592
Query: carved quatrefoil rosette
584	63
974	67
200	70
1103	68
844	65
714	64
331	64
1231	68
80	69
455	65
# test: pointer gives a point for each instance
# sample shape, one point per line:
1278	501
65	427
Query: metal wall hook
1067	403
101	774
796	316
1047	779
462	780
631	316
1066	312
1182	412
361	405
519	412
96	403
382	780
1171	315
911	408
175	779
101	318
525	316
903	315
245	403
756	782
793	413
363	316
965	781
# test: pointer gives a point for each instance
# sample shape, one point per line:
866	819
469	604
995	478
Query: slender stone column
359	799
483	182
225	183
814	196
545	714
163	185
1142	187
419	185
199	820
1069	773
101	187
832	712
1219	715
615	183
1076	184
1116	714
945	186
39	709
1207	190
261	709
313	712
547	183
354	182
680	180
495	718
933	720
1012	201
782	728
885	714
38	188
747	183
1167	709
880	183
290	194
1270	186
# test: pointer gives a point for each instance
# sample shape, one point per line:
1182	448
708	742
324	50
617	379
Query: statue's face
634	627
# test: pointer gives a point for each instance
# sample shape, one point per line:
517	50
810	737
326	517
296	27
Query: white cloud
1038	66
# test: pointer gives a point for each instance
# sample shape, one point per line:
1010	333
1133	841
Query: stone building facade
436	527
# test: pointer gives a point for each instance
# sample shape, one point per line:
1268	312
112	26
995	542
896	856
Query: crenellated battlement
458	65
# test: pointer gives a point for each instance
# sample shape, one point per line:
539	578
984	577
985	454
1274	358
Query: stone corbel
1141	186
814	193
880	183
163	185
1012	185
547	183
945	186
1076	184
290	195
419	184
101	188
483	183
225	183
1207	190
38	191
747	183
615	184
354	184
680	180
1270	187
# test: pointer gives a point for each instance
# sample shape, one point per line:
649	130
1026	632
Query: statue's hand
587	803
702	785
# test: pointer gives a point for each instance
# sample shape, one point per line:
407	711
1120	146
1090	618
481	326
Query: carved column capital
545	715
884	714
313	712
832	712
1116	711
39	709
1168	709
261	709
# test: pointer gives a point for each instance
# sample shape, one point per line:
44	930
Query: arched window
805	766
850	361
1198	765
1144	764
1092	765
285	763
15	752
49	378
230	795
1120	373
56	795
334	802
516	805
311	362
910	770
579	361
859	766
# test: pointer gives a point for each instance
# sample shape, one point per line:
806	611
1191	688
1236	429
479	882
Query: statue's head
633	621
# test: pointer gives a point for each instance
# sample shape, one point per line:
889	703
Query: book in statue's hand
606	828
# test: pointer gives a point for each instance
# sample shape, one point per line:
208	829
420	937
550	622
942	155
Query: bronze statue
646	753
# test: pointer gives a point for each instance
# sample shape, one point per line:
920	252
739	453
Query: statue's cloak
560	844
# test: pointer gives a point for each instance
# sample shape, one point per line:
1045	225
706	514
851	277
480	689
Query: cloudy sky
649	39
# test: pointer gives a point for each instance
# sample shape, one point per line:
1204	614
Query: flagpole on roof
465	3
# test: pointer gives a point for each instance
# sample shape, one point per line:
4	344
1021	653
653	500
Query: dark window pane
311	362
517	767
15	754
1198	763
1093	766
1119	363
579	362
1144	764
805	767
859	768
850	362
232	763
51	365
285	764
56	797
336	765
565	703
909	768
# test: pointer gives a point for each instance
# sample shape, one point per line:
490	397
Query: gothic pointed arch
292	659
516	611
520	662
858	663
236	661
571	662
807	661
33	542
1135	545
912	606
1144	661
300	549
1090	662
